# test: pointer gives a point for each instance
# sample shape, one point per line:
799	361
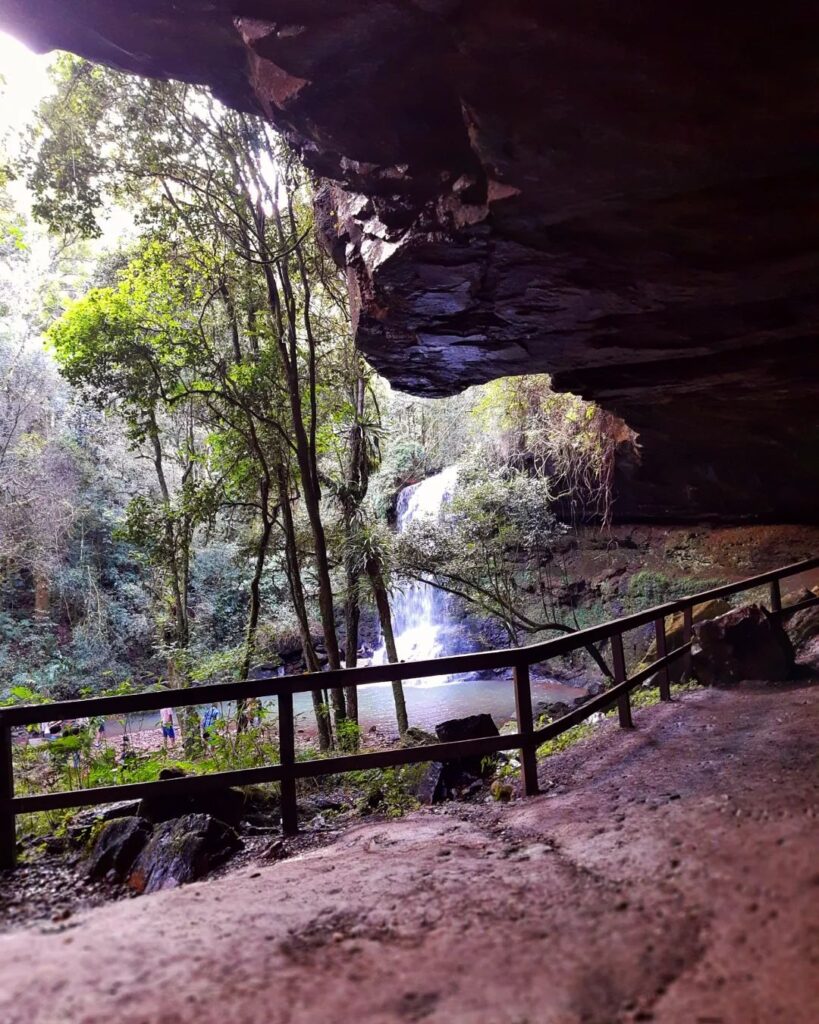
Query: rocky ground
667	874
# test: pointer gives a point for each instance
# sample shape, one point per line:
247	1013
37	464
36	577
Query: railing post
688	632
776	597
287	759
662	650
523	711
8	832
619	665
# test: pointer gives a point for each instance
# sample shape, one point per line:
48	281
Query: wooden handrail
526	739
483	661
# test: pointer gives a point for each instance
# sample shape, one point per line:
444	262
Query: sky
26	82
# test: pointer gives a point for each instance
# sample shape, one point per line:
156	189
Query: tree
125	349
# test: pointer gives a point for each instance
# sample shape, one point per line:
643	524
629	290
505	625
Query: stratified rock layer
623	195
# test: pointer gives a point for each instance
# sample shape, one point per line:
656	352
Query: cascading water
420	611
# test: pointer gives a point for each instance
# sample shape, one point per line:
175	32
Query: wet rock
182	850
117	846
469	728
264	671
226	805
747	643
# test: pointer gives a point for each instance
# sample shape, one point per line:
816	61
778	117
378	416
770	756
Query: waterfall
419	611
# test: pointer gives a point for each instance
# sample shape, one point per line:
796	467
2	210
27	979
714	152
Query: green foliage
68	180
348	735
566	739
647	587
387	791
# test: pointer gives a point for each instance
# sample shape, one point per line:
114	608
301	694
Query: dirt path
670	874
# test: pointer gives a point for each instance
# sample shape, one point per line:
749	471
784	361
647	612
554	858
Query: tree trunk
178	589
382	602
42	596
352	616
325	735
255	592
305	454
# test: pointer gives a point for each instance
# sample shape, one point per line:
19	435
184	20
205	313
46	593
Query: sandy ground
668	874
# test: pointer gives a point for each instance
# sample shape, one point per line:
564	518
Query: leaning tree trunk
255	603
382	602
325	735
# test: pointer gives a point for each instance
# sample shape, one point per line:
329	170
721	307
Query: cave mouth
624	200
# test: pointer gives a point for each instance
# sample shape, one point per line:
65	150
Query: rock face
621	195
744	644
181	851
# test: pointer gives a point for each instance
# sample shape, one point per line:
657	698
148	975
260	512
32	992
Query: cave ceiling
624	195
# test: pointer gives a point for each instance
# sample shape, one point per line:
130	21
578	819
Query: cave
623	196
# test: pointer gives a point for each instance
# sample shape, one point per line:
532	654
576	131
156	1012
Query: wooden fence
289	770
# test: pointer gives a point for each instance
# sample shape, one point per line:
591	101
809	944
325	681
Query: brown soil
668	874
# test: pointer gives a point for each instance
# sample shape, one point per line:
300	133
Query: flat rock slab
669	874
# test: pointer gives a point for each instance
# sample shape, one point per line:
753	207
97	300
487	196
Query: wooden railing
289	770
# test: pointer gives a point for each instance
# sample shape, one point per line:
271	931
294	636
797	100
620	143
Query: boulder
428	787
674	633
181	851
747	643
458	772
803	626
119	843
227	805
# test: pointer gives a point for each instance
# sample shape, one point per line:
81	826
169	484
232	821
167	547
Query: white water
420	611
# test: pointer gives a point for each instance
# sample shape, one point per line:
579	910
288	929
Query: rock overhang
623	196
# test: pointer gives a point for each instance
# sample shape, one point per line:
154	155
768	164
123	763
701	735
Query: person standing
209	724
168	733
